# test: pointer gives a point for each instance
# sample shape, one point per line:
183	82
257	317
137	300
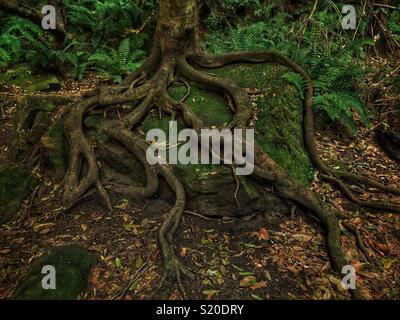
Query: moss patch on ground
22	76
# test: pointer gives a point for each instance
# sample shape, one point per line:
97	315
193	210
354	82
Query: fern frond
296	80
123	52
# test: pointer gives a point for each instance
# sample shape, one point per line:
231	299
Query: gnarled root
148	88
333	176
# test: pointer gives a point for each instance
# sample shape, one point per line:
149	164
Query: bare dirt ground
272	256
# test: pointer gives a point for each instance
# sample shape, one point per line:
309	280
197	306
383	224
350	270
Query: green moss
211	188
72	264
154	122
93	122
279	127
210	107
22	76
32	120
15	186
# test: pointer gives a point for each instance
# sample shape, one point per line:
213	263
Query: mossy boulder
211	189
72	265
279	128
209	106
34	128
22	76
15	185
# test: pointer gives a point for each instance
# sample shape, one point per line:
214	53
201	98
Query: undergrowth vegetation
95	29
111	37
334	60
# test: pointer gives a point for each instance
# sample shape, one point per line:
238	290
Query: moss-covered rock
34	128
211	188
22	76
209	106
15	185
279	128
211	191
72	265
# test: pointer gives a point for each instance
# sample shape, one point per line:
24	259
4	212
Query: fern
123	52
339	107
239	38
22	38
94	26
297	81
331	59
78	16
113	64
4	58
394	24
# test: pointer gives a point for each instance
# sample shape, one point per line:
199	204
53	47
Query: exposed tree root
359	240
148	88
333	176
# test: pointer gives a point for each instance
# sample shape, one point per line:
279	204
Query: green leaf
250	245
237	268
139	263
118	263
246	273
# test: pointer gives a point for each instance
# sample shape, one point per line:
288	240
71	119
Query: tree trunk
177	28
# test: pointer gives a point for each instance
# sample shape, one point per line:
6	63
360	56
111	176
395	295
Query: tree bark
177	28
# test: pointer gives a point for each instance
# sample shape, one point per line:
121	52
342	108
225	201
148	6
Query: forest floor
272	256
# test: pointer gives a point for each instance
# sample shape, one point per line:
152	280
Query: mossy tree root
333	176
148	88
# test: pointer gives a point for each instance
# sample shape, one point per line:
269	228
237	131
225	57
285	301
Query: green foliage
20	38
225	12
106	19
95	27
333	60
5	58
394	24
113	64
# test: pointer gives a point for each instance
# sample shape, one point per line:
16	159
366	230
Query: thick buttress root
148	88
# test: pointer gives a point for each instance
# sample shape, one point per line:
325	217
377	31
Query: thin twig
122	293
